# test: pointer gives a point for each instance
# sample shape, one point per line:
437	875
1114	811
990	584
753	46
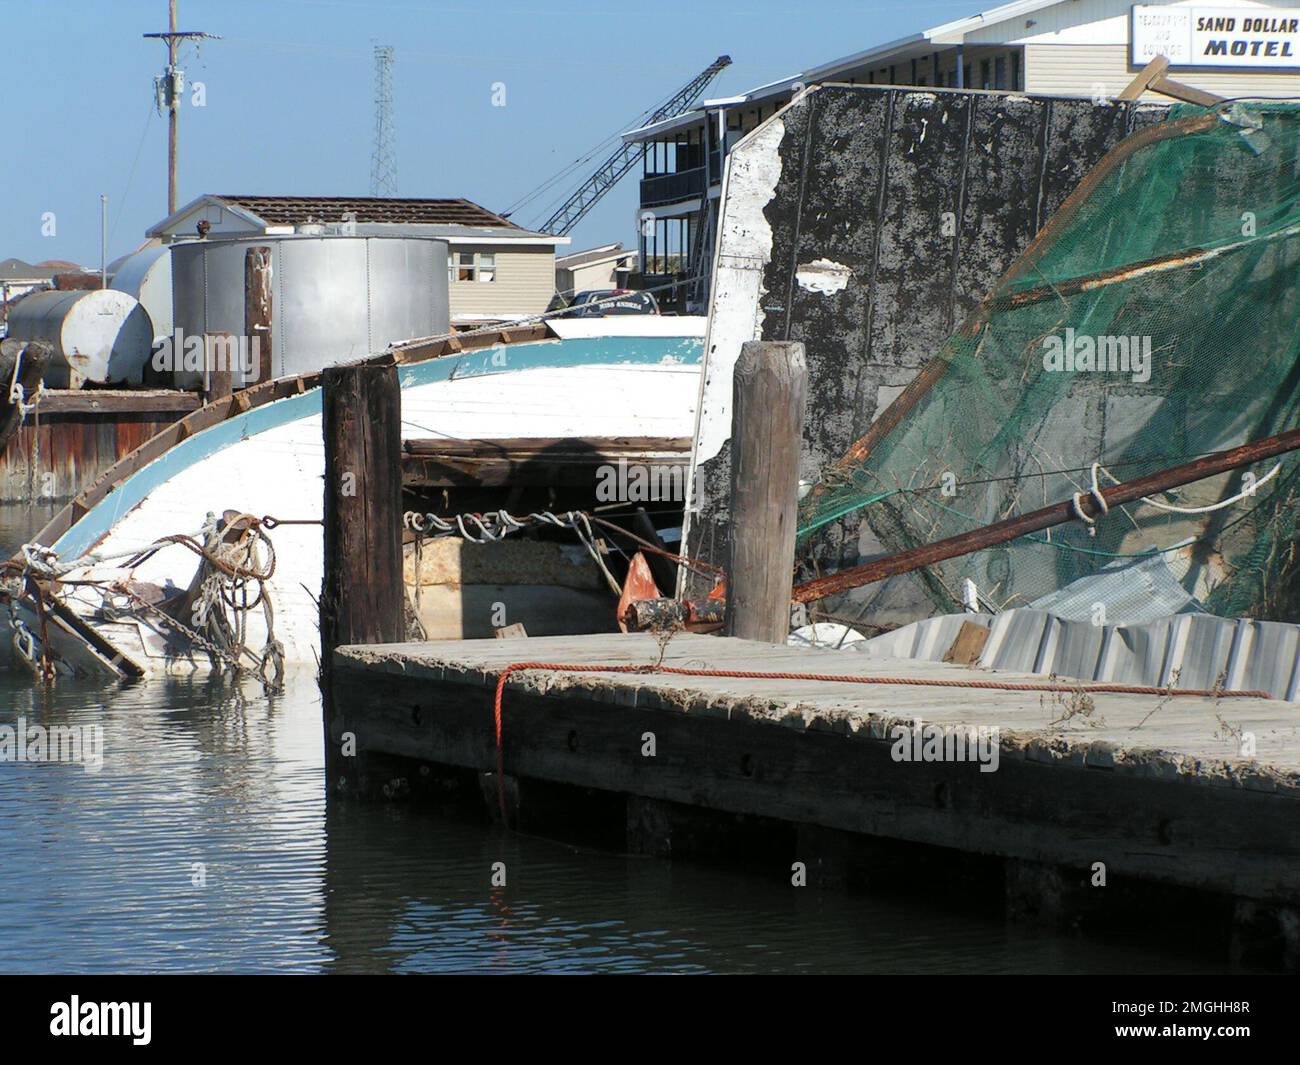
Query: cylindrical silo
98	335
147	275
333	298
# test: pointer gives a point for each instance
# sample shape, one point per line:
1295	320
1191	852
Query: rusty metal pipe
1044	518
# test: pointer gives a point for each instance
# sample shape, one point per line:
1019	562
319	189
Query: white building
1082	48
605	267
1092	48
17	279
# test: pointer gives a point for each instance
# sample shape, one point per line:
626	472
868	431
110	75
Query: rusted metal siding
53	457
920	201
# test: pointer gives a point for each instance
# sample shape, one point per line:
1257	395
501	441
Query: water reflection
205	844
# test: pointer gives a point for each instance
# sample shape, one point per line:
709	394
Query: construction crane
624	157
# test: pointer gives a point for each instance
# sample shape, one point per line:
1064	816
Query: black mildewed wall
867	176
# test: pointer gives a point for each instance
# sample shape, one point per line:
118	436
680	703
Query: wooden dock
1078	805
1152	788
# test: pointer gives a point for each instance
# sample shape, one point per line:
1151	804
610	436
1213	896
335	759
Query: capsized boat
219	515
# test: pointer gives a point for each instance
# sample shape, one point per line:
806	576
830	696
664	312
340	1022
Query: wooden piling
769	391
361	598
218	379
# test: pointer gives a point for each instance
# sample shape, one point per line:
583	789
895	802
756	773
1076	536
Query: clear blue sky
290	100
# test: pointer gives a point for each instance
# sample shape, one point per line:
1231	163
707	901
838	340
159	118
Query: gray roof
372	216
294	210
593	255
17	270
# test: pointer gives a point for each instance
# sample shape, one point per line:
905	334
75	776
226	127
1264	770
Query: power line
612	169
169	87
632	123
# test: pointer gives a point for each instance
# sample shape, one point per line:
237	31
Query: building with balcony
1080	48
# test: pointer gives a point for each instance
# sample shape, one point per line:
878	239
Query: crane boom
625	156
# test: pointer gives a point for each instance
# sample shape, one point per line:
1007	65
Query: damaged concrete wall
867	222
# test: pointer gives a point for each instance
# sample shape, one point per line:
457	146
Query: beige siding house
607	266
488	280
497	271
1232	48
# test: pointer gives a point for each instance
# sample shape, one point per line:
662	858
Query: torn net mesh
1184	243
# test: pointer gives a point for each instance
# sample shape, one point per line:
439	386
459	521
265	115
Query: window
1000	72
472	266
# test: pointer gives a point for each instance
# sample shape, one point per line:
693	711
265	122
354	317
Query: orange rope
923	682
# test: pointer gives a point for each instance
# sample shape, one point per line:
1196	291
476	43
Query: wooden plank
219	376
1144	78
577	446
573	462
969	644
154	401
1187	93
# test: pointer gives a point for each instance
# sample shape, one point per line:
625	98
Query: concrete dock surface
1149	786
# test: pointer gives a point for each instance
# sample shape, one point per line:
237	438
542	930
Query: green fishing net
1154	320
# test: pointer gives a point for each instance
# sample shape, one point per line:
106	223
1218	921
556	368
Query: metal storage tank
147	275
334	298
99	335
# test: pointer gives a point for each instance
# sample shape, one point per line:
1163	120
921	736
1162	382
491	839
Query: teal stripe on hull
505	358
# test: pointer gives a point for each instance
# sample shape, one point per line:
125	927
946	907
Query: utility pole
103	241
169	87
383	164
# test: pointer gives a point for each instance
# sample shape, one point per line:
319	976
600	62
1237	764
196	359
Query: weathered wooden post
361	597
258	310
218	379
768	394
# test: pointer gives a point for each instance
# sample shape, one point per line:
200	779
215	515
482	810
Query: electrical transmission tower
383	165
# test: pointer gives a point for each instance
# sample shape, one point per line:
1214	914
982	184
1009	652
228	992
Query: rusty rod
1058	513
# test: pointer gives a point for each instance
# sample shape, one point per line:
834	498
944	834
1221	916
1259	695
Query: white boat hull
273	464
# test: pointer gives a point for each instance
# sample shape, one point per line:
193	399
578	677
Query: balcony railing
669	188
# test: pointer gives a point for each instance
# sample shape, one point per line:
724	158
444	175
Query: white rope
1221	505
18	395
494	526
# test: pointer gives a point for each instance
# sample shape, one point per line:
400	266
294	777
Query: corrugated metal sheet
1184	651
1133	593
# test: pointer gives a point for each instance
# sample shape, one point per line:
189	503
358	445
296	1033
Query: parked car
600	302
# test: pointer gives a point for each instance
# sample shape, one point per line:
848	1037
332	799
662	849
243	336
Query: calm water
204	844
